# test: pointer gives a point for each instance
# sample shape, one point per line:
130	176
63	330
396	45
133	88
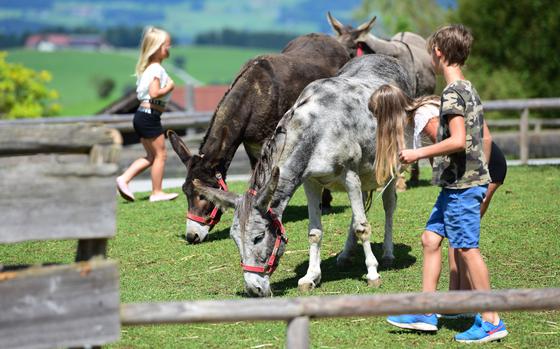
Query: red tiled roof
206	98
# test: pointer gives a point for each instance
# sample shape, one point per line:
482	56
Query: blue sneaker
482	331
418	322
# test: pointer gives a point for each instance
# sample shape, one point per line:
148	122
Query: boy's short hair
454	41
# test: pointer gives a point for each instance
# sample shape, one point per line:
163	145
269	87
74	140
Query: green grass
73	71
520	242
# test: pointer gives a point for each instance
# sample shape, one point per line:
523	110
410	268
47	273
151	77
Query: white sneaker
122	187
163	197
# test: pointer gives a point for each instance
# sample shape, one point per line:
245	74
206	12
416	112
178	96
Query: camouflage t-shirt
466	168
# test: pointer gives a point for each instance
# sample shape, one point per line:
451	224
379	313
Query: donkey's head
202	214
350	37
256	230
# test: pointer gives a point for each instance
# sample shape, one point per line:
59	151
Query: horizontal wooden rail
285	309
118	121
187	119
520	104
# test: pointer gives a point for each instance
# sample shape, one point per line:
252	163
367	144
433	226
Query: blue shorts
456	216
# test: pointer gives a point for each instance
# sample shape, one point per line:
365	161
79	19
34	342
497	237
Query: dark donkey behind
266	87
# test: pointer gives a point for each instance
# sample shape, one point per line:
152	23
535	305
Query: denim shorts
456	216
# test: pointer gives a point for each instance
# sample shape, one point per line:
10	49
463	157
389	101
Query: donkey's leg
315	235
344	259
361	226
389	205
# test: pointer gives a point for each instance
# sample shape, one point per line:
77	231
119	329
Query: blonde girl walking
153	90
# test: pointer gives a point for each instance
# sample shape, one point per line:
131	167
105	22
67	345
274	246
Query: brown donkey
265	88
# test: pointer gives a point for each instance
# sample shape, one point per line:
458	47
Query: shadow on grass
216	235
331	272
299	213
419	183
213	235
417	332
457	325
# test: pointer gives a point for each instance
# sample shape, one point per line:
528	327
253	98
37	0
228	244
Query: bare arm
486	142
456	142
157	92
430	130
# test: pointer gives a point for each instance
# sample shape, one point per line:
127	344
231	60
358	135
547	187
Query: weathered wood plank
46	197
297	333
339	306
72	138
60	306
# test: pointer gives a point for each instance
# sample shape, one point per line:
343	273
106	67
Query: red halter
210	220
280	233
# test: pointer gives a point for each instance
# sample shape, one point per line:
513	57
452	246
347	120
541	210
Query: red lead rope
280	233
210	220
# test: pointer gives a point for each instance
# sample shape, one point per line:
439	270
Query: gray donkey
327	139
409	48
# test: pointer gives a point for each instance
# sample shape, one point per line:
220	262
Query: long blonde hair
152	39
393	109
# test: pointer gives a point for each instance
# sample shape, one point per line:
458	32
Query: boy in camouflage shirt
462	172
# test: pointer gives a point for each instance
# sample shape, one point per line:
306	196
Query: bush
23	92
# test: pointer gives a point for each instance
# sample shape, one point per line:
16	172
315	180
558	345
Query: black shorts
147	125
497	165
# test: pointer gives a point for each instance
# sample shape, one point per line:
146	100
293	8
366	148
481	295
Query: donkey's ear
365	28
179	146
221	198
335	24
264	199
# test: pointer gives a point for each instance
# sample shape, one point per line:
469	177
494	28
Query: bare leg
458	276
431	270
479	276
139	165
315	235
492	187
157	147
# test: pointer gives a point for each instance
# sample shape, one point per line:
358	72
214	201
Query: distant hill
183	18
74	72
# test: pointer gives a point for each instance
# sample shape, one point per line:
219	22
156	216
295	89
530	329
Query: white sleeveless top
154	70
421	117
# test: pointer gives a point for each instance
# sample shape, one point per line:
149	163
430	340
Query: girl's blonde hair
152	39
393	110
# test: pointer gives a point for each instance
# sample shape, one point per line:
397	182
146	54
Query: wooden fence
297	311
57	182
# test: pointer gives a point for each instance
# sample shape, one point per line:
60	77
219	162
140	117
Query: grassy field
74	71
520	242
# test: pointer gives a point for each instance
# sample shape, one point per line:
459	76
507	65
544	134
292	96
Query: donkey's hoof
306	287
387	262
374	283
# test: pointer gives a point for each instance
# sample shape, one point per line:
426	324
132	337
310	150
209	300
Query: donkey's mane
209	129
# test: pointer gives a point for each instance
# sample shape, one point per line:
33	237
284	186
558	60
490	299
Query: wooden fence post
189	97
524	136
297	333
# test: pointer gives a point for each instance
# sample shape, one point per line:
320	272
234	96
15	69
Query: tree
518	37
23	92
